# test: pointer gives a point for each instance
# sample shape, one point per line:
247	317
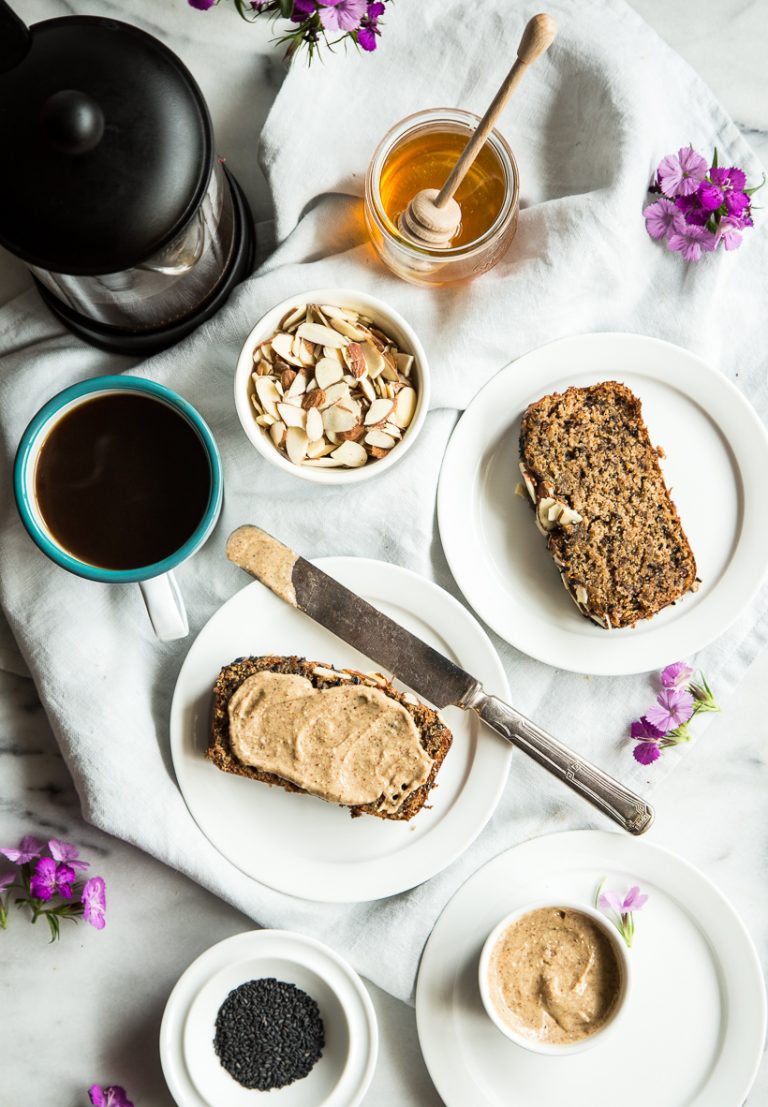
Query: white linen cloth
588	126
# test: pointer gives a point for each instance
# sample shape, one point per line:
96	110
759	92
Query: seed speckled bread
435	736
600	498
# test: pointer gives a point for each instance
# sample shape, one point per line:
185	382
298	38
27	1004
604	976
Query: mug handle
165	607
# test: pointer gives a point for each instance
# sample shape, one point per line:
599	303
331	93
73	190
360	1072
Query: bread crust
619	546
435	736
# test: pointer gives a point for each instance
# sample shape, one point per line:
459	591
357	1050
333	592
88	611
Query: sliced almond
277	433
335	354
337	419
282	344
353	435
326	336
266	420
353	355
337	393
293	317
292	416
332	312
320	448
314	424
374	359
377	452
266	390
327	372
296	442
367	389
379	411
314	398
349	329
287	377
405	406
322	463
351	454
390	428
297	387
380	439
404	363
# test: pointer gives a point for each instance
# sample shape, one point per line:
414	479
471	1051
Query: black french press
111	191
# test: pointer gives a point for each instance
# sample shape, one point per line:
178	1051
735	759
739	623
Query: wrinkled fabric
588	126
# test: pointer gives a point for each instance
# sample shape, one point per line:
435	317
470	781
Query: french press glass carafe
111	191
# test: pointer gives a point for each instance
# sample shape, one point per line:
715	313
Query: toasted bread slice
601	500
434	734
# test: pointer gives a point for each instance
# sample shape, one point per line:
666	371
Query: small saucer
342	1075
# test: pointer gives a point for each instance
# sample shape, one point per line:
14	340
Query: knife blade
424	669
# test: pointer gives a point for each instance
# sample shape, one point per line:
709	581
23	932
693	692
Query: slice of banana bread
600	499
434	735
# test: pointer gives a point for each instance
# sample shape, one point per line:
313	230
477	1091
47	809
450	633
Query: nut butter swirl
351	745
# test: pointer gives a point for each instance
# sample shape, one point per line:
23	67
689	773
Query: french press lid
107	144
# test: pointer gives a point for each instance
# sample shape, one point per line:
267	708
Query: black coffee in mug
122	481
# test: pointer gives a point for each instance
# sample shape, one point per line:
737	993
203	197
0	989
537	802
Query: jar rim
421	120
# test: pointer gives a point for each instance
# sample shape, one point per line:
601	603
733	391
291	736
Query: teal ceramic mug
158	585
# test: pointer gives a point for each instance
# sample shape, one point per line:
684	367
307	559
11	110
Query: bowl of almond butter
332	386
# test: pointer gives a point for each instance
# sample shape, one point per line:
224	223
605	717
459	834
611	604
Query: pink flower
50	877
729	231
710	196
728	178
65	851
94	902
29	848
342	15
673	707
633	901
675	675
692	242
6	879
662	218
681	174
112	1096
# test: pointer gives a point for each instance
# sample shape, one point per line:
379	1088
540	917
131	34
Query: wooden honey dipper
432	218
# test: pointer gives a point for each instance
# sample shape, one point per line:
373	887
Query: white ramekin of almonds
332	386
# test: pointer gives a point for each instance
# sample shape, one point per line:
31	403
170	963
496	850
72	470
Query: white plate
341	1076
717	458
693	1032
307	847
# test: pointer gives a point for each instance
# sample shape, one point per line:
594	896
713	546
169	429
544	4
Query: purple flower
728	232
633	901
736	202
375	10
112	1096
43	883
65	851
342	15
691	207
681	174
94	902
6	879
710	196
201	5
728	178
641	728
662	218
29	849
675	675
673	707
50	877
301	9
692	242
366	38
646	752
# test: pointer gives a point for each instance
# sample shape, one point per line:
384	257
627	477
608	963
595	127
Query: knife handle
601	790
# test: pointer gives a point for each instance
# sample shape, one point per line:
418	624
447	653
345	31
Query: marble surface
89	1008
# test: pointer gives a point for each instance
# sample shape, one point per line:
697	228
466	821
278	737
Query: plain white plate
341	1076
693	1032
717	458
299	844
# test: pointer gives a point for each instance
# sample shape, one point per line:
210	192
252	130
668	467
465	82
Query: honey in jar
420	153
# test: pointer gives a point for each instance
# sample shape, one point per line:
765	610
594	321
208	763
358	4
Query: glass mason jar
430	265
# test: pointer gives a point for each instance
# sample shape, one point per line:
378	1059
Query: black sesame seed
268	1034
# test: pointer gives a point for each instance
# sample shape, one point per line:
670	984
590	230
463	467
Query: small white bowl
385	317
343	1073
549	1048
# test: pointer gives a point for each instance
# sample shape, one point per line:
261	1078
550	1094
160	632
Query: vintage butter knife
422	668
